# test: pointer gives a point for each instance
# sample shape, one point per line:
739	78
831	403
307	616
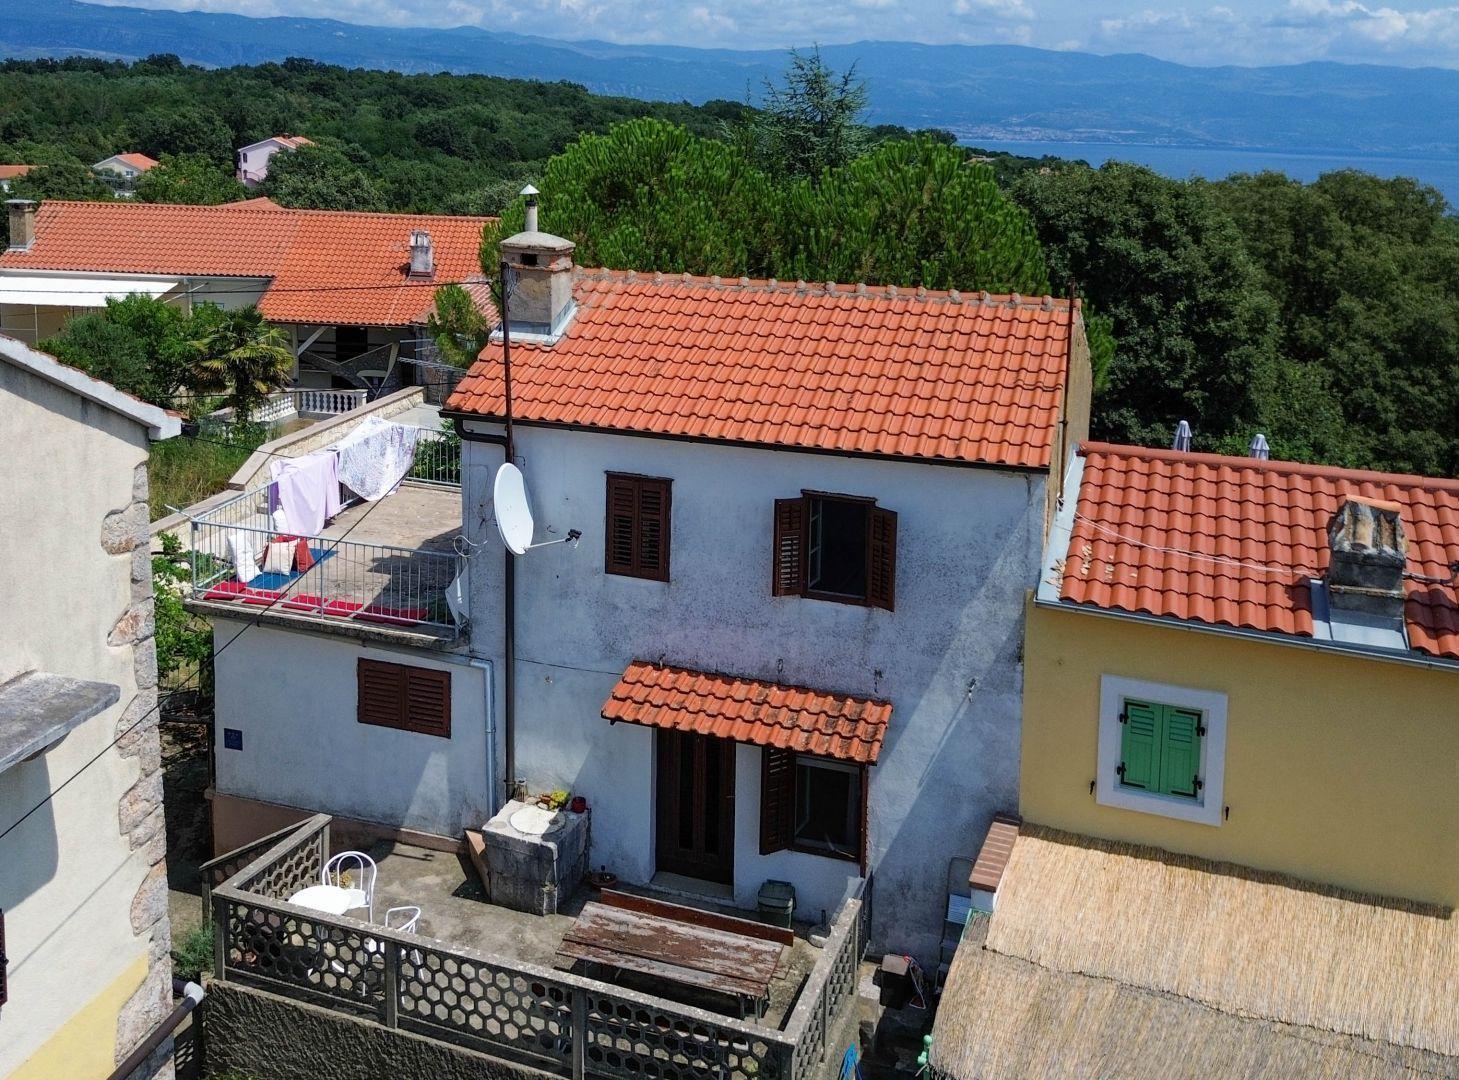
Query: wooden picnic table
684	945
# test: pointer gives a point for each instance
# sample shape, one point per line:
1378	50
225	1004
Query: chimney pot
22	223
541	266
1369	555
422	256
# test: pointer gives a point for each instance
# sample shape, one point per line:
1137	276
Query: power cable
226	645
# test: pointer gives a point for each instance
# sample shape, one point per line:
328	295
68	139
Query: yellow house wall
85	1045
1338	769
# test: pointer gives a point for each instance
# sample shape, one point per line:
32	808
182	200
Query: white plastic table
330	899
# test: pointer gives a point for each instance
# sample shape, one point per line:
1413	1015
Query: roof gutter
1267	637
461	417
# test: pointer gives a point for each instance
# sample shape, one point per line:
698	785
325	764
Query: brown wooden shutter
380	698
789	553
881	559
4	963
428	701
404	697
653	529
619	531
777	799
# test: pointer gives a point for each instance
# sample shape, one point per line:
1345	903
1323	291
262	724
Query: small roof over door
750	711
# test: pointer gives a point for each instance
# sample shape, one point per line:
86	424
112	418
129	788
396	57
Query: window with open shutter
1180	753
636	533
777	799
835	547
789	552
405	697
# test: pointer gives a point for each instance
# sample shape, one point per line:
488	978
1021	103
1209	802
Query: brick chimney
540	268
1369	555
422	257
22	223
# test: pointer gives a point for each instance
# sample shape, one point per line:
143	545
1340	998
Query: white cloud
1015	10
1187	31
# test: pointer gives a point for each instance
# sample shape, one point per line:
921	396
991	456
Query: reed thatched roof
1112	960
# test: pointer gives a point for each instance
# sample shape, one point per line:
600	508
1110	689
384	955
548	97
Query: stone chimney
539	266
422	258
22	223
1369	555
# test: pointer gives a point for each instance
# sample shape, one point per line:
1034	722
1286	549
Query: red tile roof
936	376
352	268
750	711
10	172
136	161
1234	541
326	266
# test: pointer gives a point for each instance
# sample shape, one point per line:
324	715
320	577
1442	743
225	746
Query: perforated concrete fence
552	1021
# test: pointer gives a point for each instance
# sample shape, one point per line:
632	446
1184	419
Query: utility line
226	645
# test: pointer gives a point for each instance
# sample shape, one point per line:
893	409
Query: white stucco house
253	159
122	170
84	968
779	638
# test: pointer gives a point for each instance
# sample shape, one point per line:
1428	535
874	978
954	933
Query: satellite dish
513	515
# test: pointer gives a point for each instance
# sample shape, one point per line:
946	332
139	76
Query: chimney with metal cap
539	267
22	223
422	258
1369	555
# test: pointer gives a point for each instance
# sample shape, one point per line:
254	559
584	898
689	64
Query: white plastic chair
403	918
361	891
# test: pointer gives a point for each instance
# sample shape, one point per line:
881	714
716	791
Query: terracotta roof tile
326	266
10	172
940	377
750	711
137	161
1234	541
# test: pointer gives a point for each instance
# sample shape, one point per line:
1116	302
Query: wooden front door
696	806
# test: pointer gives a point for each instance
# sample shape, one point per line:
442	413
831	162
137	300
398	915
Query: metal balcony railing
382	585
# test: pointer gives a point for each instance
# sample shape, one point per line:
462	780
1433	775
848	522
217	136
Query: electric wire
162	700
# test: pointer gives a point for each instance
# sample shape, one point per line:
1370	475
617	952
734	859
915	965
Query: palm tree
242	358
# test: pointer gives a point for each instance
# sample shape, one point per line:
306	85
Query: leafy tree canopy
809	122
457	326
321	177
189	178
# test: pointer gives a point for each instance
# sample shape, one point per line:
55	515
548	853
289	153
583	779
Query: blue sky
1407	32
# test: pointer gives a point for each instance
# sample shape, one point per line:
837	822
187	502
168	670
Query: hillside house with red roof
351	289
770	624
120	171
253	159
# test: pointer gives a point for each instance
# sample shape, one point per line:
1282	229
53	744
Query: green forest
1325	315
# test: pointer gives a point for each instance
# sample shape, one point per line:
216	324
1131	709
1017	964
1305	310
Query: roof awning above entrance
750	711
41	290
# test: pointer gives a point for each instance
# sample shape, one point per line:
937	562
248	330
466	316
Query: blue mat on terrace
279	581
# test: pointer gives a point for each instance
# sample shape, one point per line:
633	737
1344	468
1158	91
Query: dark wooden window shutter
881	559
620	527
636	535
653	529
428	701
789	554
4	964
400	696
777	800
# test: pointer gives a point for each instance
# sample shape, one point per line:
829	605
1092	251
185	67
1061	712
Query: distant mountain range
989	92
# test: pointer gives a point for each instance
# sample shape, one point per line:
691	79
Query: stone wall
141	821
266	1037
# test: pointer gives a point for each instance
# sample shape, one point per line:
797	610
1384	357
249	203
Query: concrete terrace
454	910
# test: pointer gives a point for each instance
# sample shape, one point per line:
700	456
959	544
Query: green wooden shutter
1140	744
1180	752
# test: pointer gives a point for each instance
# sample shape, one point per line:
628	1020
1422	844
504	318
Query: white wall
948	658
293	696
67	875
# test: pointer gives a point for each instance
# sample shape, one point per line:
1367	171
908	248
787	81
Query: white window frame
1206	808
